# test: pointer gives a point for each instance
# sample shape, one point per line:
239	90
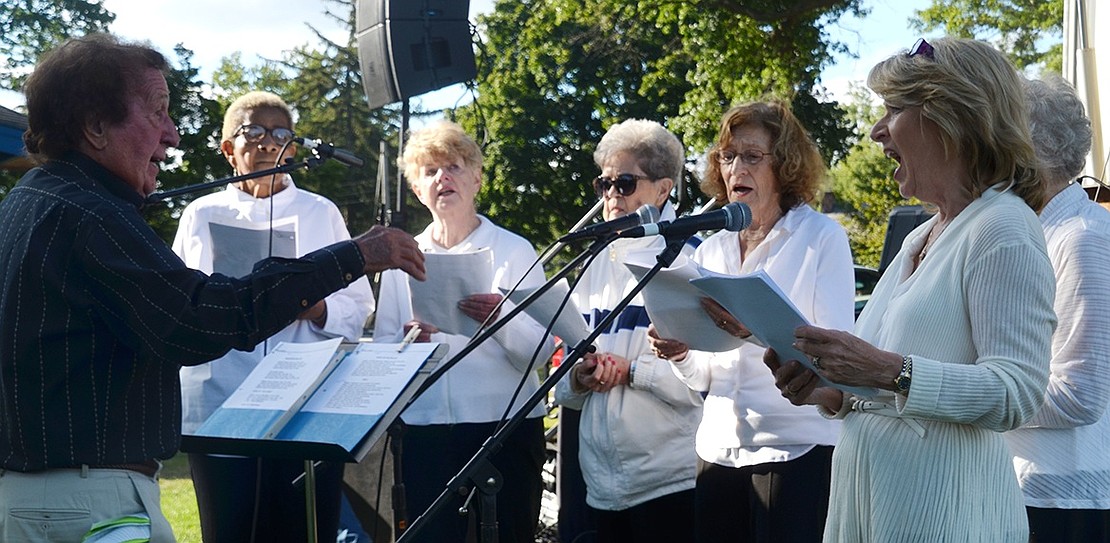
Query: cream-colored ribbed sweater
977	319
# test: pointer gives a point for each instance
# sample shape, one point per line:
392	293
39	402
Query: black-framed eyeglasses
921	47
750	157
625	183
254	133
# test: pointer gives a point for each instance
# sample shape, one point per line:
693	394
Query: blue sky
263	28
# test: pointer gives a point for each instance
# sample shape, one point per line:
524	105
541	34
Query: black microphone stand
400	522
487	332
289	166
478	472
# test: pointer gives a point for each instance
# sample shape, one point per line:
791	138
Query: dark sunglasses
921	47
625	183
254	133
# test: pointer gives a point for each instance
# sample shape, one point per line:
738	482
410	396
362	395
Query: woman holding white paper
227	232
447	424
637	419
958	332
764	463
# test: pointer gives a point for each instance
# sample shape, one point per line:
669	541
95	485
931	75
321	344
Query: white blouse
746	421
1061	453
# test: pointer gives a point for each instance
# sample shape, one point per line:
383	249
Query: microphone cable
551	325
265	342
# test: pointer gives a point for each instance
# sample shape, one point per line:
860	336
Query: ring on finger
722	323
817	362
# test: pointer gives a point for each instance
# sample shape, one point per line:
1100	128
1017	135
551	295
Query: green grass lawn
178	501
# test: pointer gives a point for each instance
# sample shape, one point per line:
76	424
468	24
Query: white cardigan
976	317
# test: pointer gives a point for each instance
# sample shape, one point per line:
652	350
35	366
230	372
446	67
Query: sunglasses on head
625	183
254	133
921	47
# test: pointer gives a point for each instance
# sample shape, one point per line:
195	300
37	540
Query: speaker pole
399	216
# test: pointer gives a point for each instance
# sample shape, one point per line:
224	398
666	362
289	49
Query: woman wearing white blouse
764	464
1061	453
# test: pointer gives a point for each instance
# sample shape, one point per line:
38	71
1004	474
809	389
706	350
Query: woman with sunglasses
250	499
763	469
956	338
636	433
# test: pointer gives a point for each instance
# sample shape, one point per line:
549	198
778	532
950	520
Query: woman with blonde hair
956	338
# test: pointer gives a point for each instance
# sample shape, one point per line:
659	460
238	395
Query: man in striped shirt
97	314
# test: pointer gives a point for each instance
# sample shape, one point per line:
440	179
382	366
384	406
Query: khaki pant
60	505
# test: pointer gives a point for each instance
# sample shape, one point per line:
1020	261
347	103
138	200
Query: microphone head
648	214
738	216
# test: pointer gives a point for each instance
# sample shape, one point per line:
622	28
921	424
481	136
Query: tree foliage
322	84
31	27
198	122
555	74
863	184
1029	31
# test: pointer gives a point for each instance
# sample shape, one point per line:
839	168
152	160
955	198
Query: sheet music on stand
317	401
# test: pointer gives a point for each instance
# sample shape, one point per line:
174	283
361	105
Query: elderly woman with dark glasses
956	339
764	463
227	232
636	442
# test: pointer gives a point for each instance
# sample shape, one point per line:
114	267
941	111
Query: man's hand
390	248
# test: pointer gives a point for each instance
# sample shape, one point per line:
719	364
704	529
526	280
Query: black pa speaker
409	47
902	221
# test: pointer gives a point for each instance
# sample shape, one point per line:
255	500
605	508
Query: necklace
934	233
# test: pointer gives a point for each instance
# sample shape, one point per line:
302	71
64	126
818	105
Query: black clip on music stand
478	472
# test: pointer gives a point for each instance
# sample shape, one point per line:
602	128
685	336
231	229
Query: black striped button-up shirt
97	315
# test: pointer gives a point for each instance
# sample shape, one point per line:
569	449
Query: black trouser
1068	525
776	502
577	520
229	489
666	519
432	455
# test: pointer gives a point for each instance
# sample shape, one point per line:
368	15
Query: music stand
313	436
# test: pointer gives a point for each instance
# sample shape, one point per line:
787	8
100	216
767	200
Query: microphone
645	215
733	217
327	150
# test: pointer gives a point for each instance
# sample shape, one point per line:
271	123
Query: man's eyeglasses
750	157
921	47
625	183
254	133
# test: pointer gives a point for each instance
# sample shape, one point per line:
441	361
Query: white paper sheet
674	306
369	379
570	326
451	277
771	317
283	376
